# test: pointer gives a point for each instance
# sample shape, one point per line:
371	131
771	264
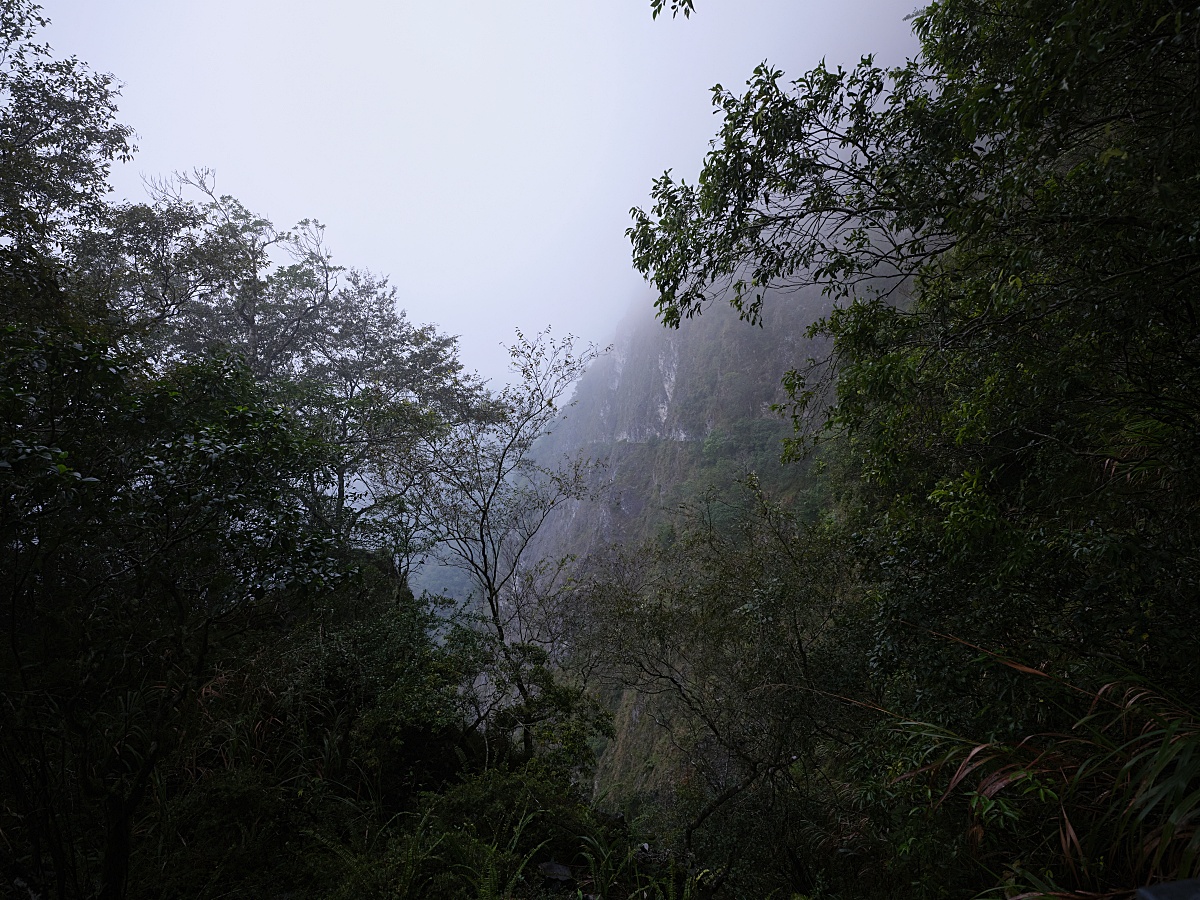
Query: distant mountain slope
672	415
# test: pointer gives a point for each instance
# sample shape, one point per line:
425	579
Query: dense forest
894	595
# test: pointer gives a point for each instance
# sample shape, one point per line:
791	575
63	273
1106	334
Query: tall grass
1110	805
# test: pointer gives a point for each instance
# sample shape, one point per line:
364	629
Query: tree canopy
1007	227
1010	221
218	459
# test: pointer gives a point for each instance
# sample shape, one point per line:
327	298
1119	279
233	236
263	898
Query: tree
677	6
153	522
1009	226
145	527
58	136
489	501
214	445
380	390
1037	395
188	275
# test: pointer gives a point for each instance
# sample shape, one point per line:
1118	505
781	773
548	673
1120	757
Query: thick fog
483	154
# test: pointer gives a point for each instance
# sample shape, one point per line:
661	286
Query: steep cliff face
681	384
673	418
670	415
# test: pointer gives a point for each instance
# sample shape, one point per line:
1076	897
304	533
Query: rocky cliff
671	415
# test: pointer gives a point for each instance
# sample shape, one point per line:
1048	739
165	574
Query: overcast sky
482	153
